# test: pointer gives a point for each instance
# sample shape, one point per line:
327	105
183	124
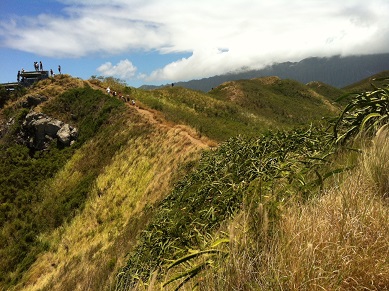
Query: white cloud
124	70
222	35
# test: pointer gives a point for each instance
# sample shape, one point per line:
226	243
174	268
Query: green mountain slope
286	102
240	107
150	183
367	84
326	90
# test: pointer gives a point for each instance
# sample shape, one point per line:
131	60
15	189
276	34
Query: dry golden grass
339	241
55	86
376	162
86	253
48	88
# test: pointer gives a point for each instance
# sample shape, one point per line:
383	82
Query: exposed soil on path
156	118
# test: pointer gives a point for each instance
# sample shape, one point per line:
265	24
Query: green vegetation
269	169
269	173
277	205
330	92
368	84
25	210
287	102
7	95
250	107
366	112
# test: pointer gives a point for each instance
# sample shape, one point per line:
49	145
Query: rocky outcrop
39	130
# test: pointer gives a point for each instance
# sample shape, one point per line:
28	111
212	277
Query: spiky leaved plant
366	112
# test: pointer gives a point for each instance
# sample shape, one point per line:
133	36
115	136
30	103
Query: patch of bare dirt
156	118
233	91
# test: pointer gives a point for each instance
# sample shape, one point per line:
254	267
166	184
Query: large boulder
39	130
67	134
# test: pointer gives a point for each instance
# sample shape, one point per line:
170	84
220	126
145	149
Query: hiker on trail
18	76
40	66
59	69
133	102
51	72
108	90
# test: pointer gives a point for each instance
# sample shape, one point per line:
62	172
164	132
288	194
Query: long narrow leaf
367	118
191	256
191	273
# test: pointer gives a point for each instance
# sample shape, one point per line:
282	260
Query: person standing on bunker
40	66
59	69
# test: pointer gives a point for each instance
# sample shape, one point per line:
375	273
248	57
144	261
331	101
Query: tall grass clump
338	241
376	162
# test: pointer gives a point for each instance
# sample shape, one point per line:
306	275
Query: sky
162	41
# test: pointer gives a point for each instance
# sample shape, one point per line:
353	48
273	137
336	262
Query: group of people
52	73
38	66
124	98
19	74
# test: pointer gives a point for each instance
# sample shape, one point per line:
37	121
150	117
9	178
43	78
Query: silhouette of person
51	72
59	69
18	76
40	66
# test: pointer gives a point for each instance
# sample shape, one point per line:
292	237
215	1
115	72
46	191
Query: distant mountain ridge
336	71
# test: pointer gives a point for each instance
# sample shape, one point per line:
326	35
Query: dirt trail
156	118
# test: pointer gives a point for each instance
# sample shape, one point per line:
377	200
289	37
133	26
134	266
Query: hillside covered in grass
237	188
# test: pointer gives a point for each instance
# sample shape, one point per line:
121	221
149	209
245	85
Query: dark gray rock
39	130
32	101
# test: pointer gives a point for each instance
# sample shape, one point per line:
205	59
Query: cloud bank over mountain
219	36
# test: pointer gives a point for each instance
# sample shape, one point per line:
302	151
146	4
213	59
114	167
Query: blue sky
163	41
